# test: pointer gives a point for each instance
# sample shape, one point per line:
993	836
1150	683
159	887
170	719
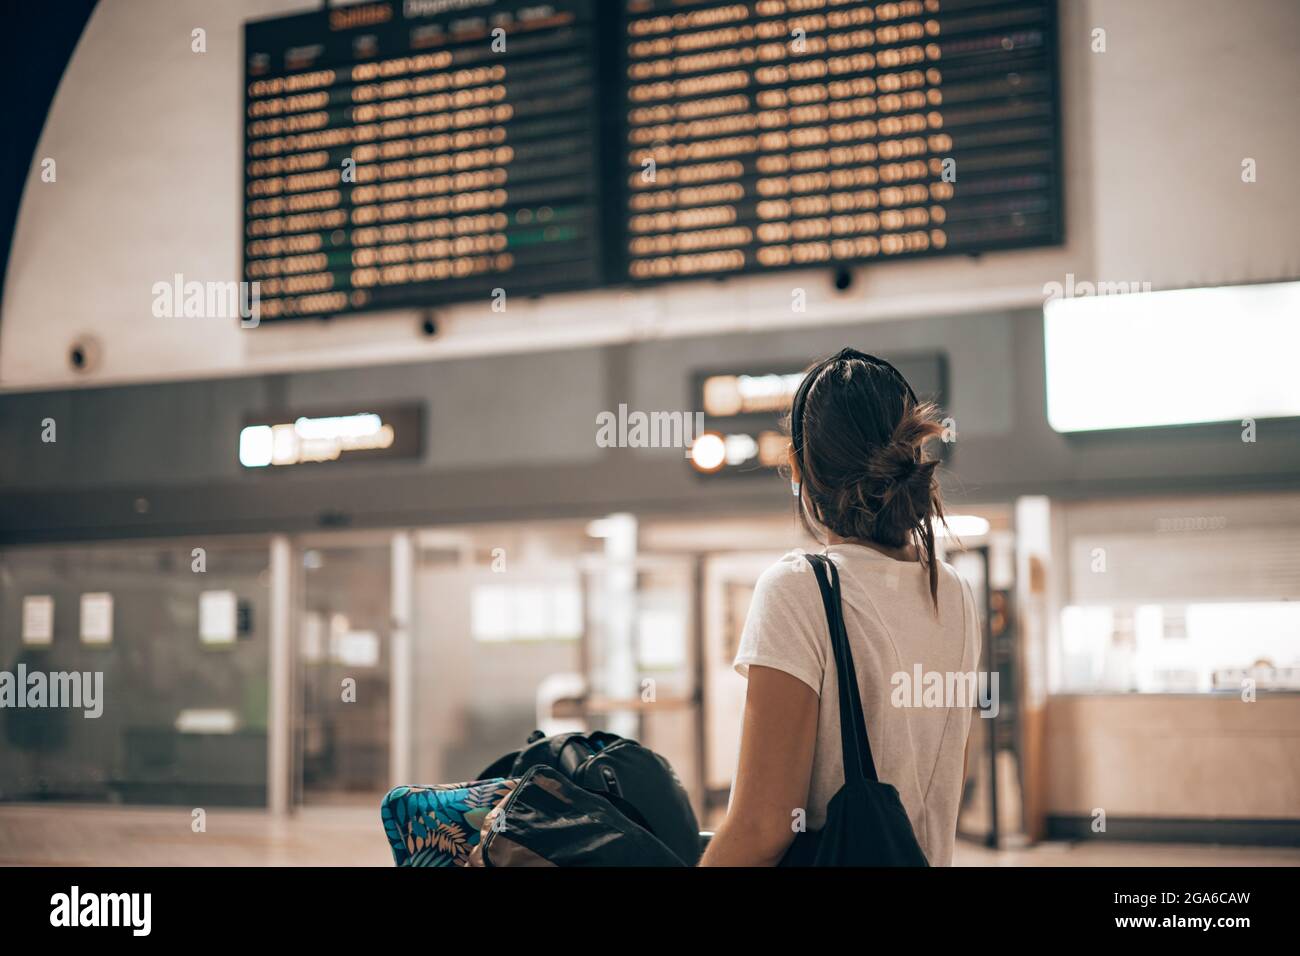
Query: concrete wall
514	437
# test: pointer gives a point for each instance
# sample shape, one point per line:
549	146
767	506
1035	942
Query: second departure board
420	152
769	134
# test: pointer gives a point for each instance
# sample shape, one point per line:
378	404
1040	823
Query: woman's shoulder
951	575
952	582
790	577
955	576
792	562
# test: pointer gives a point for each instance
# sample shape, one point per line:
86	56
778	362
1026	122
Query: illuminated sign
775	134
713	452
402	154
272	441
1185	356
436	151
727	395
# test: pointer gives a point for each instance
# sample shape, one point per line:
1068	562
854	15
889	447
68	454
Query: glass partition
497	631
1190	594
135	672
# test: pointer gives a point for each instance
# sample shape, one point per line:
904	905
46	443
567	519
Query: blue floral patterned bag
440	825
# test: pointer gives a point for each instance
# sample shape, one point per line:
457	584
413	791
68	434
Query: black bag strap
856	744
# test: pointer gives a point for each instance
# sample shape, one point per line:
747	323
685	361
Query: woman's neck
905	553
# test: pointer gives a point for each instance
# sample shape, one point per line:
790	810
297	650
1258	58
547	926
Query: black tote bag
866	824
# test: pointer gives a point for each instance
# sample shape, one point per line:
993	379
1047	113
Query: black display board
471	132
540	147
775	134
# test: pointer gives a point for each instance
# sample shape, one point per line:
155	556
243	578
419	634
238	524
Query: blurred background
382	531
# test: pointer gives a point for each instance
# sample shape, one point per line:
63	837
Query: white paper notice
357	649
38	619
218	617
97	618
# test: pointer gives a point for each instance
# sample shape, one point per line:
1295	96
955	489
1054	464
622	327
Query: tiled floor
80	835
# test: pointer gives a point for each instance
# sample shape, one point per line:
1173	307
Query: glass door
344	654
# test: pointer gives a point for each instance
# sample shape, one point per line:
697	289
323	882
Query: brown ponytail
858	435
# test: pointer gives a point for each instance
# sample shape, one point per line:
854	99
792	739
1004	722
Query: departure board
771	134
417	152
413	153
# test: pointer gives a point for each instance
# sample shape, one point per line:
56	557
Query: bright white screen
1172	358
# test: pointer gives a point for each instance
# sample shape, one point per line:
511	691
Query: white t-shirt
892	628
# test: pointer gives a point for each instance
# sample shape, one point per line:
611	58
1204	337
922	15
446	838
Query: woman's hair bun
899	479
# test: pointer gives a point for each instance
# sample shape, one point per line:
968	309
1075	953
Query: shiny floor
1099	853
79	835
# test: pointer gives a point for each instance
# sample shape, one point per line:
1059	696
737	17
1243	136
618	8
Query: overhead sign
775	135
394	432
435	151
408	154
